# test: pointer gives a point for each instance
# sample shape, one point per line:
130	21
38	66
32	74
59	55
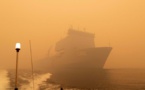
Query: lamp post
18	46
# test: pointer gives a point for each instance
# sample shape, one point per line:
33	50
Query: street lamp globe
18	46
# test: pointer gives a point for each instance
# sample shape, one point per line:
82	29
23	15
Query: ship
76	61
77	51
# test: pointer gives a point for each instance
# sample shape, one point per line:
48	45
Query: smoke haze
116	23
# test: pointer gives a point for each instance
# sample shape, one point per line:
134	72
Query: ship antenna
32	64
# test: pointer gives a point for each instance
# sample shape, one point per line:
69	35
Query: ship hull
84	59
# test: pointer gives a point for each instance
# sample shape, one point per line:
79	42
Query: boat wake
42	81
4	80
39	79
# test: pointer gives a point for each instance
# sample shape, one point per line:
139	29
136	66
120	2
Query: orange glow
118	23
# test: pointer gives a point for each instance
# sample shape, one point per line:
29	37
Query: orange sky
44	22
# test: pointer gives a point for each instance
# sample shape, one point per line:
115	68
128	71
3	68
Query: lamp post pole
17	52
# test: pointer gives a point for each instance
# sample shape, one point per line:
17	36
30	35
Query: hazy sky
44	22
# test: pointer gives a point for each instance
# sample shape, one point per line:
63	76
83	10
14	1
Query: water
117	79
4	80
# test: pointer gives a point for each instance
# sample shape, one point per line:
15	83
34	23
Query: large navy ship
77	51
76	61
